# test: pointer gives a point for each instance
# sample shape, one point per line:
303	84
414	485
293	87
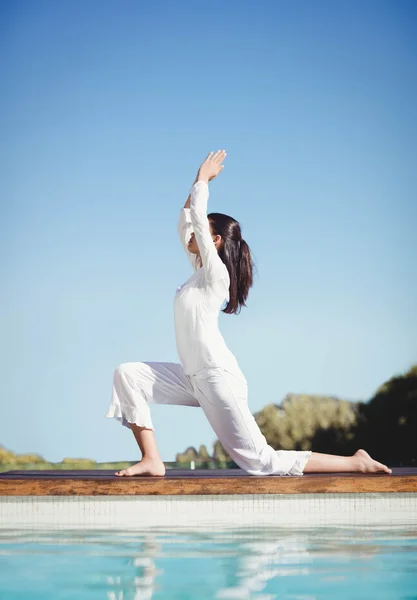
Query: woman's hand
212	166
209	169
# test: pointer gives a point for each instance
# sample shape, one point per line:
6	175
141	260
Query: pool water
175	564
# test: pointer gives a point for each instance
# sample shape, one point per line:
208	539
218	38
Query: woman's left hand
212	166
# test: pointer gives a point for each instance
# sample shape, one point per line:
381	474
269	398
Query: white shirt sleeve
214	267
185	229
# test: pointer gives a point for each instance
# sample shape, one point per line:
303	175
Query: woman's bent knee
126	368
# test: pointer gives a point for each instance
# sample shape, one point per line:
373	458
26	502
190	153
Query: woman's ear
217	241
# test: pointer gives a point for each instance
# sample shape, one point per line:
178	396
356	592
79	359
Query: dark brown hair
236	255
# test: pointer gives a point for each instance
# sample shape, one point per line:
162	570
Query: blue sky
107	110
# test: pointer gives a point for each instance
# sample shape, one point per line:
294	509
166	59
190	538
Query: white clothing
198	301
223	398
209	375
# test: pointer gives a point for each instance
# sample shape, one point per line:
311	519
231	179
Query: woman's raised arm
185	229
209	169
213	265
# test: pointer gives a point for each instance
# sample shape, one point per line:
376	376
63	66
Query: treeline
36	461
385	426
11	461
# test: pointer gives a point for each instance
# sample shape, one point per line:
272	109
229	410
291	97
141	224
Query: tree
303	421
187	456
388	428
219	453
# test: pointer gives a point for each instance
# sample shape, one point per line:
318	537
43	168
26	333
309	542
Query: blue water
246	564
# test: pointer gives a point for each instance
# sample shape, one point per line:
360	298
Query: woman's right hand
212	166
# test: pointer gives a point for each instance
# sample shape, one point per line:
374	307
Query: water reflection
175	563
255	561
143	583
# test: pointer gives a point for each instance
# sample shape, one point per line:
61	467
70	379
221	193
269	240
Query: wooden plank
97	483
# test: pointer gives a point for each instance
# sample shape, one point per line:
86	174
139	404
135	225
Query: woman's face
192	244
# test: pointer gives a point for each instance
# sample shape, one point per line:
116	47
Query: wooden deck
200	482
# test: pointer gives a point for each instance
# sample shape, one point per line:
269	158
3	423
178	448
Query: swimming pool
90	535
262	563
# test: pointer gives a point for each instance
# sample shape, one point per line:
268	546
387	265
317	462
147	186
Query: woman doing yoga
208	374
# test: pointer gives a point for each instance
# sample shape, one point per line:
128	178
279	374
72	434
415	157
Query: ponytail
236	255
244	273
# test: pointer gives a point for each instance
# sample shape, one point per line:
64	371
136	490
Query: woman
208	374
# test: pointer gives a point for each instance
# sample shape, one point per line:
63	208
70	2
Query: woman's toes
381	467
366	464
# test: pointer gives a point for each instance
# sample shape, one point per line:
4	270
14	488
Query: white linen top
198	301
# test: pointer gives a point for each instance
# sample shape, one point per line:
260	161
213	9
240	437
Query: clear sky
107	110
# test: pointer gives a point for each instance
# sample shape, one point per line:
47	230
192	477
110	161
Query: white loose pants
224	400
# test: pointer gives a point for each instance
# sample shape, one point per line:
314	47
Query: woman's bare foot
153	467
366	464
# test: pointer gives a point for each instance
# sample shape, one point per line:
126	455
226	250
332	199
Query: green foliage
389	420
201	458
219	453
10	458
84	463
187	456
304	422
9	461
